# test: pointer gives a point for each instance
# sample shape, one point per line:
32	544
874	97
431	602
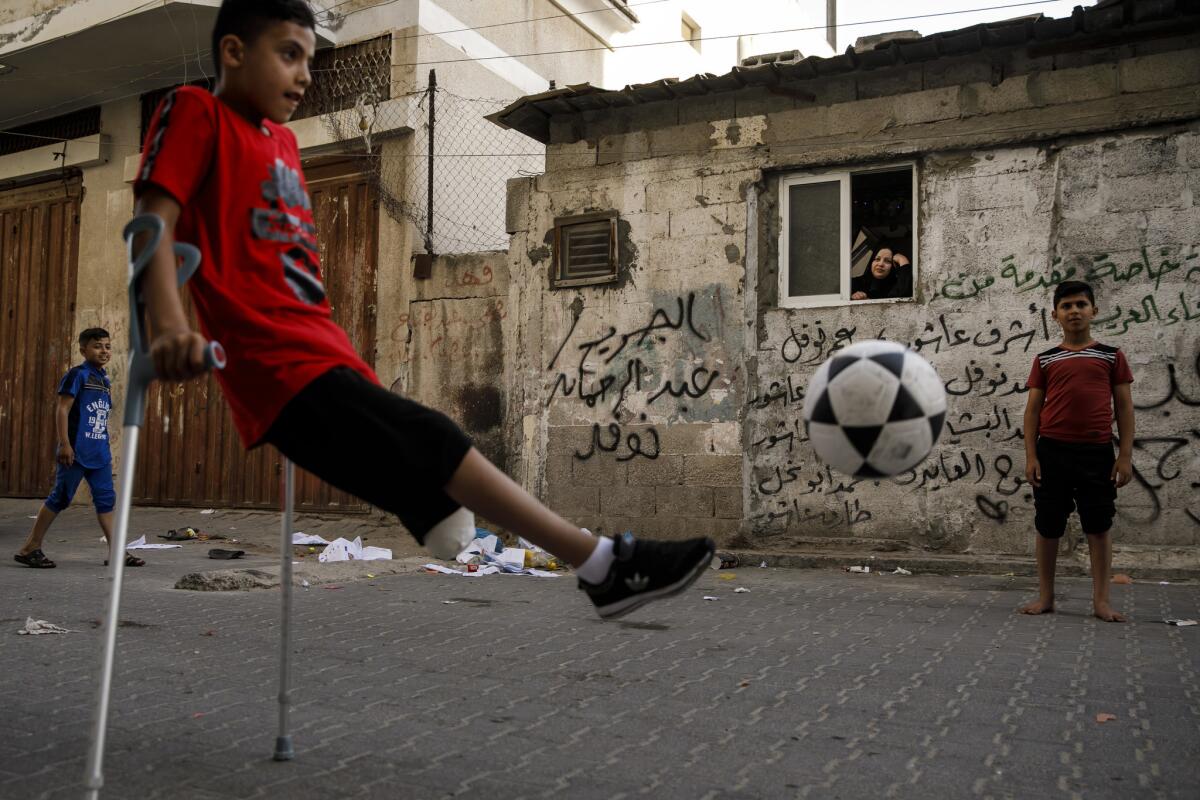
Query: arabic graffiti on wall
664	365
982	446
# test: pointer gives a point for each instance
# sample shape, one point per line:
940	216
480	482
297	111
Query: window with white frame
848	236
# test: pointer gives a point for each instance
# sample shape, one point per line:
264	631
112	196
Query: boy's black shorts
1074	475
378	446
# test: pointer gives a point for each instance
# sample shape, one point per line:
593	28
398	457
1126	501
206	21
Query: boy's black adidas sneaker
647	570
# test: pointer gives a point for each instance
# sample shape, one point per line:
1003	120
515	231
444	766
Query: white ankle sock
595	569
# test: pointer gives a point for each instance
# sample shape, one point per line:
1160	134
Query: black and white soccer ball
874	409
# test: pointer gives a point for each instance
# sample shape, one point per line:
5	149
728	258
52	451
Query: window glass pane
814	239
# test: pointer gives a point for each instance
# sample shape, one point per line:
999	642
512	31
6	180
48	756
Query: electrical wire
722	36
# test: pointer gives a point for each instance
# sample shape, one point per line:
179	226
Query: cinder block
947	72
567	499
675	528
1142	192
730	187
684	501
691	141
602	469
891	82
648	226
1072	85
786	127
1011	94
1129	156
708	470
727	502
1161	71
662	471
516	204
673	194
1188	145
684	437
623	147
575	155
619	500
708	221
568	439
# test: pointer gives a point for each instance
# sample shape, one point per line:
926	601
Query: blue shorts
66	481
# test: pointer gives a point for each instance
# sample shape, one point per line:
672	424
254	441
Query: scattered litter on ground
858	569
341	550
1164	583
300	537
710	597
369	575
227	555
1181	623
741	590
763	565
209	632
726	560
36	627
32	516
901	571
449	602
1122	579
180	534
304	583
140	544
331	588
479	570
209	511
198	714
729	576
1102	717
744	684
486	549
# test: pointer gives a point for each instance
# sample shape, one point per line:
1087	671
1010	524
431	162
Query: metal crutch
283	742
141	374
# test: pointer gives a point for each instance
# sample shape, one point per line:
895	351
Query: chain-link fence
435	159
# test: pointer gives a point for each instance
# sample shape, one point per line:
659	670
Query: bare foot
1037	607
1105	612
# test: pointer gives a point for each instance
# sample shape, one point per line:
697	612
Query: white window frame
843	178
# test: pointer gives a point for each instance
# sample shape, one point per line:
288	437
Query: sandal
130	561
36	559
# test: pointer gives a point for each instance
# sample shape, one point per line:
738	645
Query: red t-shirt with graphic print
258	290
1079	387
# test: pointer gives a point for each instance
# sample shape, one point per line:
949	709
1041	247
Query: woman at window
890	275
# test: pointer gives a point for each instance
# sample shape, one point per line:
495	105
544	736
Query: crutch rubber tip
283	748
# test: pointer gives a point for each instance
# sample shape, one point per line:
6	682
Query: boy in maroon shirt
223	172
1068	443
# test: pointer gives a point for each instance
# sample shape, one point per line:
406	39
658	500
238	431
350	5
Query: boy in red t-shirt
224	174
1068	443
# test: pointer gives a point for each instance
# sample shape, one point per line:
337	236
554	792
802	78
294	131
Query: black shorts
380	447
1075	475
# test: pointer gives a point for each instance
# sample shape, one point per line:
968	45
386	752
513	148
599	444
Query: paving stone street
812	684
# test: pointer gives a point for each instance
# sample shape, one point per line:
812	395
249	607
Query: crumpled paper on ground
141	544
36	627
341	550
510	560
299	537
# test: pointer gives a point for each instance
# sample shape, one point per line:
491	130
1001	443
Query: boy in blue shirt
81	419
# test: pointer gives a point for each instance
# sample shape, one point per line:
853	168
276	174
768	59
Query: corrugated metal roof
1103	25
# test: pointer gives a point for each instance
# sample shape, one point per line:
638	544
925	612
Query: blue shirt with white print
87	423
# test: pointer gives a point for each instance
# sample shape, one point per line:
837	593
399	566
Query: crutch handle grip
141	367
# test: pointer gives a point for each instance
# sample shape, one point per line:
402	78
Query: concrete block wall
1089	170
